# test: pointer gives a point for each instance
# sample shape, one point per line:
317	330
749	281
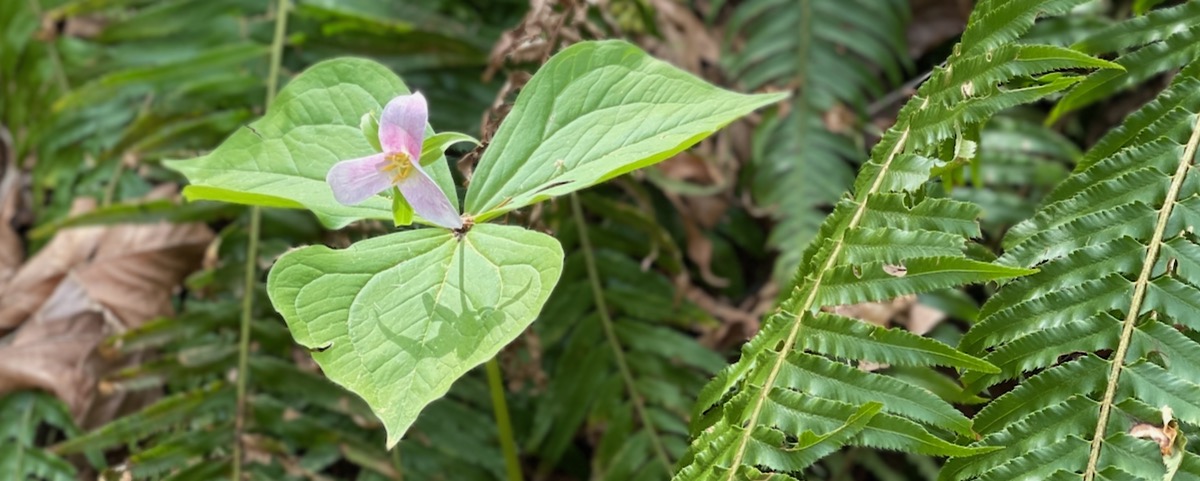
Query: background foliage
119	304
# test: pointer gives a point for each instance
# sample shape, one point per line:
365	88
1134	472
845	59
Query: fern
1118	275
586	388
790	399
1019	162
22	414
800	165
1161	41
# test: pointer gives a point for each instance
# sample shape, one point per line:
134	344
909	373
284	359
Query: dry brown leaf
879	313
85	285
130	269
37	278
839	119
11	251
923	318
698	213
687	42
50	350
1164	436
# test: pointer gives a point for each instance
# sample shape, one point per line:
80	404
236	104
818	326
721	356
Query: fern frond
1164	40
736	417
22	413
1118	270
586	389
828	52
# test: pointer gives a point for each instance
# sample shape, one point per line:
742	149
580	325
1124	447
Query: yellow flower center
399	166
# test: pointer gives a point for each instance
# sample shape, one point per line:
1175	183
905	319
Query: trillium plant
397	318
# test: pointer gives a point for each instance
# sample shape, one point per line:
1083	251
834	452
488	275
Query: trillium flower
401	132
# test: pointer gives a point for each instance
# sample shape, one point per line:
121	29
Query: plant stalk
243	371
503	423
639	404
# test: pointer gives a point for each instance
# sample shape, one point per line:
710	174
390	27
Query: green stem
503	423
244	342
639	405
239	422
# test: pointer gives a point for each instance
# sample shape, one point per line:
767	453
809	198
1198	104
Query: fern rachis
1139	294
797	319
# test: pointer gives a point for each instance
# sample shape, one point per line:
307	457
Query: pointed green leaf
281	160
824	378
369	126
398	318
875	281
435	145
596	110
847	338
892	245
1048	388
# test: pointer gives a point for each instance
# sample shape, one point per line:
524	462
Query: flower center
399	166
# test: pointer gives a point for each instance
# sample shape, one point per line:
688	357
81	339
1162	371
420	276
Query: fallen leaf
879	313
923	318
51	348
87	284
1164	435
839	119
11	251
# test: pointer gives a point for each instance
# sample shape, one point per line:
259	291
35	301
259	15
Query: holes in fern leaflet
968	89
857	273
790	441
895	270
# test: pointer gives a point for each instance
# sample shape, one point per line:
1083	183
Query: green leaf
281	160
824	378
596	110
435	145
398	318
1175	51
876	281
794	412
1160	387
1048	388
402	211
847	338
369	125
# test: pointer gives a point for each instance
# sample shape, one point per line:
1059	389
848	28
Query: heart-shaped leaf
597	110
398	318
281	160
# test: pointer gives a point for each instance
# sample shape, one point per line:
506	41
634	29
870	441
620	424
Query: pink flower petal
402	125
356	180
428	200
